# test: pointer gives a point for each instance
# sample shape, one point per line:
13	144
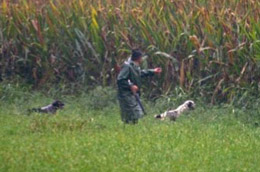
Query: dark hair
58	103
136	54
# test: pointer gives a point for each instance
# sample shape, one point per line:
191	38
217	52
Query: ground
80	138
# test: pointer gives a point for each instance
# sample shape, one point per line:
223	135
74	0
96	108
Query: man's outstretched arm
150	72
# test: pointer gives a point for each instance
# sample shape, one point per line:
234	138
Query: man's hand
134	89
157	70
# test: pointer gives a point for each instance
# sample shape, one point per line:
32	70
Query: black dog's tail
33	110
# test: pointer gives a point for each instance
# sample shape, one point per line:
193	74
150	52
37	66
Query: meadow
83	137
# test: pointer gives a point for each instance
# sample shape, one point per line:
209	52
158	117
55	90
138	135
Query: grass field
80	138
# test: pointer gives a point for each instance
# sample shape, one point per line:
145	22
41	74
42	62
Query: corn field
207	47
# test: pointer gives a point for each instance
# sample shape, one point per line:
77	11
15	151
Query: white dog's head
189	104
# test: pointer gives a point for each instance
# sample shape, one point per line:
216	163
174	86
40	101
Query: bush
101	97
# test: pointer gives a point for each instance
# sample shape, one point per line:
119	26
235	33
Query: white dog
174	114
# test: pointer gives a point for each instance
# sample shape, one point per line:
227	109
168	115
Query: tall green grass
83	138
206	47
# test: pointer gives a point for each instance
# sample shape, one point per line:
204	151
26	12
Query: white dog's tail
161	116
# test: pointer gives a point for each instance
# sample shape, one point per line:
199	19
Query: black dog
51	108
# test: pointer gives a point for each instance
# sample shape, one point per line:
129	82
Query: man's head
136	56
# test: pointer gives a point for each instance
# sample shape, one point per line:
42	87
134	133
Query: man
129	84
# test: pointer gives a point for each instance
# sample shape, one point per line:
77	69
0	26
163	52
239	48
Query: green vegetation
71	50
207	47
83	138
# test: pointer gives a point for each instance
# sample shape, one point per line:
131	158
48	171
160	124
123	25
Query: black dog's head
58	104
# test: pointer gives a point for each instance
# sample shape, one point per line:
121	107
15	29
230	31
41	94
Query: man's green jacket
131	74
